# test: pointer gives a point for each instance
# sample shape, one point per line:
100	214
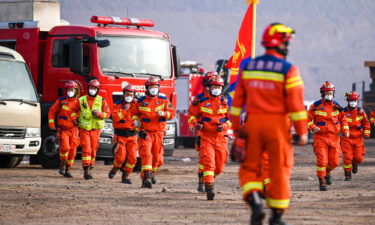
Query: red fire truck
116	51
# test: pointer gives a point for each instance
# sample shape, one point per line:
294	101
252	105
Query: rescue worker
125	139
152	111
192	110
372	117
326	121
271	91
359	128
66	110
94	109
213	121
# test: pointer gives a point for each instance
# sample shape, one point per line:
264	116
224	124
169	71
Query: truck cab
19	110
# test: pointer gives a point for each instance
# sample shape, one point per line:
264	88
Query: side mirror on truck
76	57
176	61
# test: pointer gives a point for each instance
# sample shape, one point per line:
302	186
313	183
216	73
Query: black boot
146	181
322	184
348	175
255	202
328	179
86	174
67	172
276	217
124	177
62	167
112	173
90	174
210	191
200	183
153	179
355	168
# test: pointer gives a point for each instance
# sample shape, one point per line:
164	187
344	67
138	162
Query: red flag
245	40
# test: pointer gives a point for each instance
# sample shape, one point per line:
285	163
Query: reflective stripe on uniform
321	113
147	167
208	173
345	127
146	109
191	119
372	119
293	82
135	118
278	203
86	158
335	113
116	164
235	111
160	107
131	166
349	120
65	107
51	121
155	169
120	115
320	168
201	167
262	75
297	116
249	186
73	114
310	123
207	110
347	166
220	111
64	154
70	161
267	180
92	159
366	131
359	118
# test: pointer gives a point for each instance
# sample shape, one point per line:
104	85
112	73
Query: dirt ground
32	195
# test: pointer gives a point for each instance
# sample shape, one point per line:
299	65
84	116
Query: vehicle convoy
116	51
19	110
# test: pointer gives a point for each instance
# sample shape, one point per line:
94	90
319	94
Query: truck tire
48	155
10	161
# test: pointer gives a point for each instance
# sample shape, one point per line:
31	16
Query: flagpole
254	30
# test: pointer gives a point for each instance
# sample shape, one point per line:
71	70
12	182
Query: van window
60	55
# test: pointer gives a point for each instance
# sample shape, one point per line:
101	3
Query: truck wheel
9	161
48	155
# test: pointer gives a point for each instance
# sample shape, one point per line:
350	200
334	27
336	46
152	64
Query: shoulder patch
118	102
203	99
62	98
141	99
317	103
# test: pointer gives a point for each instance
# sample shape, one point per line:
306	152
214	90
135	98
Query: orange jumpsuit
372	117
272	91
126	139
90	138
212	111
353	147
151	149
327	116
65	110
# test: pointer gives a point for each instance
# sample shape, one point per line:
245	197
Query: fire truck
115	50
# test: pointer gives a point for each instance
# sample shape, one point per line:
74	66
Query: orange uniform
211	111
126	139
372	117
90	136
353	147
272	91
326	115
65	110
151	148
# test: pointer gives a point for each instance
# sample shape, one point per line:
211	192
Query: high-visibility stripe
208	173
262	75
349	120
65	107
92	160
207	110
104	115
159	107
201	167
320	168
116	164
295	84
310	123
135	118
321	113
297	116
359	118
347	166
293	79
366	131
155	169
191	119
51	121
278	203
249	186
86	158
120	115
335	113
220	111
345	127
235	111
70	161
145	109
131	166
146	167
73	114
229	123
64	154
372	119
168	114
267	180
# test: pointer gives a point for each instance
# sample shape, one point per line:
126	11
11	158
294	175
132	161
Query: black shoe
257	214
153	180
126	181
322	184
276	217
278	222
111	174
69	175
86	174
201	188
62	170
210	191
328	179
146	182
348	175
355	168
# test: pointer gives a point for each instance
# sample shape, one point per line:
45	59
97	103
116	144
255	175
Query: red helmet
327	86
94	83
208	76
152	81
216	80
275	34
71	84
129	88
352	96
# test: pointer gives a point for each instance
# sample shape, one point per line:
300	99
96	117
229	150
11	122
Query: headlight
171	129
32	132
108	128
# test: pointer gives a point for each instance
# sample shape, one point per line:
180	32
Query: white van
19	110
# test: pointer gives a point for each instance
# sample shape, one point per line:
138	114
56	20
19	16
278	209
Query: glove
161	113
346	134
198	126
220	127
237	152
142	134
137	124
97	113
75	123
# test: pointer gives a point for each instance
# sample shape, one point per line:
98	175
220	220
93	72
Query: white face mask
328	97
70	94
153	91
353	104
215	92
128	99
92	92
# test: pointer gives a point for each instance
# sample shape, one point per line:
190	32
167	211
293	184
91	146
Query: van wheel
48	155
10	161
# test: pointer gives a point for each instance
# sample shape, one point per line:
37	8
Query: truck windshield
135	56
15	82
